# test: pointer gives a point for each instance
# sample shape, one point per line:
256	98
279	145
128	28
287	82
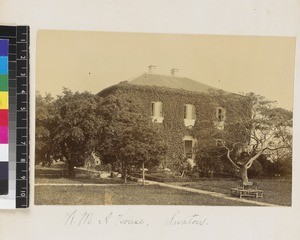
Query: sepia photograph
163	119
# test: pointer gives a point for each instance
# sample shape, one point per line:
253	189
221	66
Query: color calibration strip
18	116
4	116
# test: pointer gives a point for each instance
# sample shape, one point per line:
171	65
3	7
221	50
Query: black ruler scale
22	169
18	81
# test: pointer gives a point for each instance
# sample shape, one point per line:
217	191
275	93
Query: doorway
188	148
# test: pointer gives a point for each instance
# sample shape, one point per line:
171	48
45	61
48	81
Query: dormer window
157	112
220	118
189	115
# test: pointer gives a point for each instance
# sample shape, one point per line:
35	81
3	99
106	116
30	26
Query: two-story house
186	110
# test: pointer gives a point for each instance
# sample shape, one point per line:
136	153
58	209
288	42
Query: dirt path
213	194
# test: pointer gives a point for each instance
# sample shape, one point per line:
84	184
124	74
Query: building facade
188	112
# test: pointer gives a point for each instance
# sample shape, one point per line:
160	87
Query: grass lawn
124	195
276	191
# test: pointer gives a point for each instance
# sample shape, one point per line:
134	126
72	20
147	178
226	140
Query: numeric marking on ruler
22	110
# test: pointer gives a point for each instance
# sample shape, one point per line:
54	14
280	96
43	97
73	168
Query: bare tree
266	131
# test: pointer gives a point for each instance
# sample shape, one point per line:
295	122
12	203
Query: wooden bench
247	189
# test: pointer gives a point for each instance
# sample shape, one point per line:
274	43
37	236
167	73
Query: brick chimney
174	71
151	68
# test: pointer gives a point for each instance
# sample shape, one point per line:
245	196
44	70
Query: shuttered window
220	114
189	112
157	112
157	109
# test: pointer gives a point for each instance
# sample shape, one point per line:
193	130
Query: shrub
282	167
104	167
211	163
255	170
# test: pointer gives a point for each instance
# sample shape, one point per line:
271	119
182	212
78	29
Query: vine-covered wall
173	112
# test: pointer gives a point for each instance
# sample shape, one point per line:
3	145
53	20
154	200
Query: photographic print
163	119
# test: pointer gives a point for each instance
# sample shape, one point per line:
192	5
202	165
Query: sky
92	61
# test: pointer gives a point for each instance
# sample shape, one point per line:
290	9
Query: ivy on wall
173	112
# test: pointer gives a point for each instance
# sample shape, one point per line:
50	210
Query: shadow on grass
125	195
276	191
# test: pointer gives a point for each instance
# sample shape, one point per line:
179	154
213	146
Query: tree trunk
48	160
71	169
244	173
69	159
125	176
143	173
124	172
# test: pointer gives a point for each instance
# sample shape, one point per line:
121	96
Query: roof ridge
165	75
170	81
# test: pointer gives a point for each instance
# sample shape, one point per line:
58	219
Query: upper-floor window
157	111
220	118
220	114
189	115
189	111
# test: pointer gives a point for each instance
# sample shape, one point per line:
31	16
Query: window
189	111
189	115
188	148
220	114
220	118
189	144
157	112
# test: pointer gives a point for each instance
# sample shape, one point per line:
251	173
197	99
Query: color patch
4	152
3	134
4	83
3	170
3	117
3	65
3	100
4	186
3	47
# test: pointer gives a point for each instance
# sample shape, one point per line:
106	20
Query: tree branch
251	160
228	153
274	149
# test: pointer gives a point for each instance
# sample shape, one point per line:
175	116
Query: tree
211	161
77	126
276	165
267	131
128	139
45	114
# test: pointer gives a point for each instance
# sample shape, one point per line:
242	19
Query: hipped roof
169	81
